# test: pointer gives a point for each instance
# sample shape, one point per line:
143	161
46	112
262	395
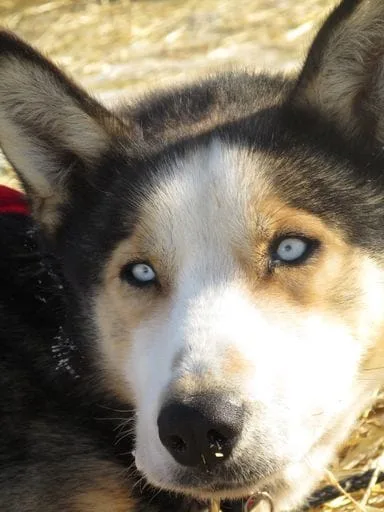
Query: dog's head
230	262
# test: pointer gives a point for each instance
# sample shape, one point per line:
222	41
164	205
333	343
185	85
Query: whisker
128	420
128	411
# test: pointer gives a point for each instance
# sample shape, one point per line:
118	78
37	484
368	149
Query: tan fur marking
316	283
233	364
191	384
372	365
105	496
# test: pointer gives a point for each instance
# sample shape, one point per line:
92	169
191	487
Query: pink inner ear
12	201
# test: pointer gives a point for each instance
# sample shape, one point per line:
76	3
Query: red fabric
12	201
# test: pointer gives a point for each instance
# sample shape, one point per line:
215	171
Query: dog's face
233	278
232	305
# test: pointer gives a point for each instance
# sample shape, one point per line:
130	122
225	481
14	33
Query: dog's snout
202	431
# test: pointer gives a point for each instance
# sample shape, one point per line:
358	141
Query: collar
249	505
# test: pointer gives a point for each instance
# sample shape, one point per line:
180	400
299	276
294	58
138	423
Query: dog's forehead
216	210
214	193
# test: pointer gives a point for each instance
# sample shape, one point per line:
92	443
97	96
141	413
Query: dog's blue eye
292	249
138	274
143	272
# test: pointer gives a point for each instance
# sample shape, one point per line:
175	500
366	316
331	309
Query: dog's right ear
343	77
49	127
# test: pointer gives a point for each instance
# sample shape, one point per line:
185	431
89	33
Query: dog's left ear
51	130
343	77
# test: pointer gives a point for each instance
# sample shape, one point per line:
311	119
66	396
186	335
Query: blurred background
126	47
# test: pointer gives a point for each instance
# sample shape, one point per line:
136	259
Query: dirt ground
125	47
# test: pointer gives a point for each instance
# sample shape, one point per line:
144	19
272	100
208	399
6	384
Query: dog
197	312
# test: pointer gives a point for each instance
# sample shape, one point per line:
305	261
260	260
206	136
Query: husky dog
219	325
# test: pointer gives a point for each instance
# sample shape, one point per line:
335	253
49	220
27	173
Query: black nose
202	431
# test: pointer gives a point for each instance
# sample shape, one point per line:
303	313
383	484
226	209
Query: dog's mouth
221	490
209	487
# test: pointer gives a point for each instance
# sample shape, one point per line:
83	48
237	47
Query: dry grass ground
125	47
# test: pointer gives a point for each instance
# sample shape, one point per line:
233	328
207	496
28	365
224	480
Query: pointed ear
50	128
343	77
